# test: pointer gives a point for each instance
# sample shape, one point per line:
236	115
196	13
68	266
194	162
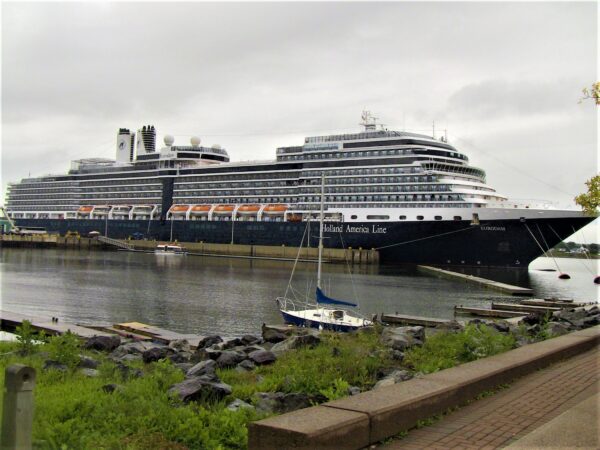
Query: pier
9	321
490	284
484	312
403	319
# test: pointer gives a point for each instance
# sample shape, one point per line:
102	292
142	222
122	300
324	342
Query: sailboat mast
321	230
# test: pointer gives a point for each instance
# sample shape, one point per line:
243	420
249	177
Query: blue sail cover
322	298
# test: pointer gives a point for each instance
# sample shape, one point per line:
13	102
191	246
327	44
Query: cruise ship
414	198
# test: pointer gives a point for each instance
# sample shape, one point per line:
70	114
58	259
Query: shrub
65	349
26	338
445	350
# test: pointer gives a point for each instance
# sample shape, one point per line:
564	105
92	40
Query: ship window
457	218
438	217
420	217
354	216
402	217
378	217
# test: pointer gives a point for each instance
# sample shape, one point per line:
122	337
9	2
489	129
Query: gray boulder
394	377
262	357
180	345
573	316
252	348
308	340
85	362
131	348
353	390
180	357
90	373
275	333
103	343
230	359
238	404
209	340
198	389
557	328
130	357
245	366
401	338
202	368
184	367
50	364
232	343
156	353
249	339
591	321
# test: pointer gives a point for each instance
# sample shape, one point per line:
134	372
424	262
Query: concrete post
17	412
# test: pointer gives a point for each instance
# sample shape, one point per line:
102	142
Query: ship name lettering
490	228
355	229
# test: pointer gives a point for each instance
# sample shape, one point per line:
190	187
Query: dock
484	312
413	320
490	284
552	303
524	308
9	321
157	334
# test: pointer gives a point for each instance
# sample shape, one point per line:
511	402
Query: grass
72	411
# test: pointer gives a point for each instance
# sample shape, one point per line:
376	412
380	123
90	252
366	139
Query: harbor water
206	295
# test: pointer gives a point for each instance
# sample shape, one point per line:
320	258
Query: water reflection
233	296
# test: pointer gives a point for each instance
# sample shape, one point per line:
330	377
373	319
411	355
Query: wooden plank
551	303
10	320
488	312
523	308
490	284
413	320
158	334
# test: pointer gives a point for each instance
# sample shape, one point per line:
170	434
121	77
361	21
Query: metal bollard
17	412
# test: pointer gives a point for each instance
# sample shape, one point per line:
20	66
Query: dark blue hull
293	320
492	243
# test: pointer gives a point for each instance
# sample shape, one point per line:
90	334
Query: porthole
354	217
420	217
402	217
438	217
457	218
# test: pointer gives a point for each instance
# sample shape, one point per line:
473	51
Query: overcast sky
504	80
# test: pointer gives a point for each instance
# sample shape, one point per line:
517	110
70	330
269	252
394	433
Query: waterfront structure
413	197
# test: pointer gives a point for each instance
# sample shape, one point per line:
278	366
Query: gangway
115	242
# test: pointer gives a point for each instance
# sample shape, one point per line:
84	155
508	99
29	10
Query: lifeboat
200	210
275	209
224	210
85	209
248	209
179	209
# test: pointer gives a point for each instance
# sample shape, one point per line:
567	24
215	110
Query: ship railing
523	204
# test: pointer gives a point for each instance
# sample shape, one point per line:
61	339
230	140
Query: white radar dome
195	140
169	140
216	147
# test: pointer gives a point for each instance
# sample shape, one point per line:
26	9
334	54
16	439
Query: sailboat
324	313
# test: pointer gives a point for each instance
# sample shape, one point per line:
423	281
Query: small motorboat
169	249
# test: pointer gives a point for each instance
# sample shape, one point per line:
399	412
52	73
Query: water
204	295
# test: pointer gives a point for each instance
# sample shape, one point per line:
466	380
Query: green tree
590	200
592	93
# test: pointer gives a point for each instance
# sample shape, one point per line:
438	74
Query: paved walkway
511	414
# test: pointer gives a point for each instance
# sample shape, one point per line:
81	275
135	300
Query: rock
246	365
501	326
202	368
128	372
209	340
230	358
238	404
249	339
534	318
184	367
401	338
591	321
112	387
180	345
594	310
572	316
103	343
384	382
394	377
353	390
50	364
308	340
156	353
262	357
452	326
131	348
557	328
397	355
232	343
278	402
130	357
180	357
198	389
87	362
275	333
206	353
91	373
252	348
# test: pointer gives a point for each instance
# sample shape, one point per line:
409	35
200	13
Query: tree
591	200
592	93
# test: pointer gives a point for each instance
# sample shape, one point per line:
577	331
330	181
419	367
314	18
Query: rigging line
587	257
561	240
515	168
295	263
546	243
349	271
470	227
539	245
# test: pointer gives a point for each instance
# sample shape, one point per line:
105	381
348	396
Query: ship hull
491	243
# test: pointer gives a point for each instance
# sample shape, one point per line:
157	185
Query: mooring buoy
564	276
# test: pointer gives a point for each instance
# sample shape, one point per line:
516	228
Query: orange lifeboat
275	209
85	209
248	209
198	210
179	209
224	209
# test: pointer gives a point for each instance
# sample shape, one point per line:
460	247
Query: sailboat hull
308	323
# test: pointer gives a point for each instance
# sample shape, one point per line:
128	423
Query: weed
65	349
